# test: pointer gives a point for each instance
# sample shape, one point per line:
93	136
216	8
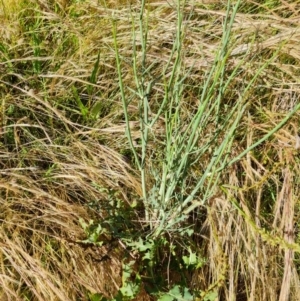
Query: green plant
166	209
168	202
175	293
192	193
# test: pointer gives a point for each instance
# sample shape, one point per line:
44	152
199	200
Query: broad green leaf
175	291
166	297
175	294
187	296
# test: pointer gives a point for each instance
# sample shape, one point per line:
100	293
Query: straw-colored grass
171	128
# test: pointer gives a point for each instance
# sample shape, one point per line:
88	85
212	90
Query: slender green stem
264	138
124	102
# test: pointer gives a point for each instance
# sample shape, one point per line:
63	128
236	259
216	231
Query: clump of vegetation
149	150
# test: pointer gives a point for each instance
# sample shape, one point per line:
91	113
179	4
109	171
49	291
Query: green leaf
166	297
142	245
187	296
96	109
130	287
83	109
97	297
175	291
83	224
175	294
148	256
211	296
93	77
188	231
193	260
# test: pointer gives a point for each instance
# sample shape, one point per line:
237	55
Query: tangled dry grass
64	151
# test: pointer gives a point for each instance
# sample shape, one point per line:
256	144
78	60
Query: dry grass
60	164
